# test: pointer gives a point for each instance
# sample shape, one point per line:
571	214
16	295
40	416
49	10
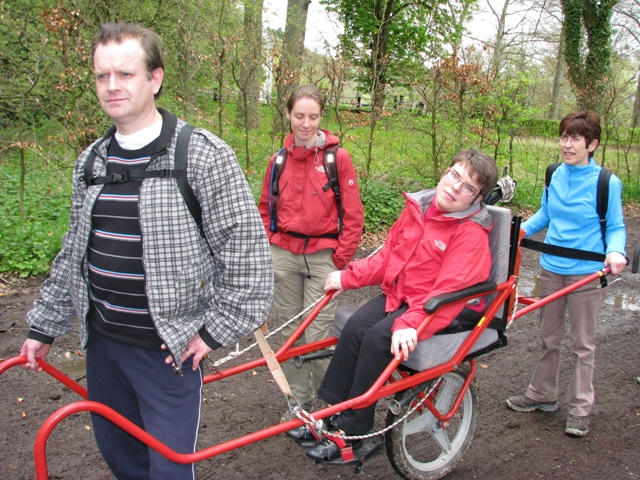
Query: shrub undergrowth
401	161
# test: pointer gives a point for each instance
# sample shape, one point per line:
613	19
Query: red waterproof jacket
422	258
306	207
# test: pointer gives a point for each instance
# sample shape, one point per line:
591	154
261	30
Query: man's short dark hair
149	41
585	123
482	168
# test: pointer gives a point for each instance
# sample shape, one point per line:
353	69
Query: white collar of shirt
141	138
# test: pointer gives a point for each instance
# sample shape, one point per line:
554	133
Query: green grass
28	243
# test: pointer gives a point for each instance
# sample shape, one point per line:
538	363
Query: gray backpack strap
180	164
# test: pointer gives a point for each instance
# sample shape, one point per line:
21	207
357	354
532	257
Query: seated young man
439	244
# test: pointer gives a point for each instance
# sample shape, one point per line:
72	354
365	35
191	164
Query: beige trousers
583	306
295	289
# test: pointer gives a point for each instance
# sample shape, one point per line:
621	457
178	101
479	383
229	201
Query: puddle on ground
74	367
623	292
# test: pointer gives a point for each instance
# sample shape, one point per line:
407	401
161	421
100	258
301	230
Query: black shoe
303	436
326	450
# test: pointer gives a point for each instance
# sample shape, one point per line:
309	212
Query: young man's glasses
453	176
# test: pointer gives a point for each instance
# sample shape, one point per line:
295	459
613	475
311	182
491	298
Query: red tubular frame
50	369
533	304
384	386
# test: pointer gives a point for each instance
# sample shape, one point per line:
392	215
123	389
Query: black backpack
329	158
602	195
179	173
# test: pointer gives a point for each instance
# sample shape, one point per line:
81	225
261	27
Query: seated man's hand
333	283
403	342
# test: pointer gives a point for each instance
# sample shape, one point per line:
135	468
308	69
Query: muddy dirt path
507	445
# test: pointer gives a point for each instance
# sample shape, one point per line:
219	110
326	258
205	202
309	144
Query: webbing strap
180	165
179	172
302	235
602	202
272	363
602	197
562	251
274	190
136	175
330	169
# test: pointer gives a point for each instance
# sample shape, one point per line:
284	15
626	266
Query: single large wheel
418	447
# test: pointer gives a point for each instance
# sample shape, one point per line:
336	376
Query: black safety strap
276	170
562	251
136	175
547	177
180	165
301	235
88	165
602	202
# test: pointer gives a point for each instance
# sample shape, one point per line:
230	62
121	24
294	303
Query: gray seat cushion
433	351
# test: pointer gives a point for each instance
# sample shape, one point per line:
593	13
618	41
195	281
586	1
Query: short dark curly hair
482	168
585	123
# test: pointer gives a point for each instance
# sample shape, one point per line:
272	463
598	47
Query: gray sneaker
522	403
577	426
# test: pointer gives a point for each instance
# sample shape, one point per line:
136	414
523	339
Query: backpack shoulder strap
602	202
274	189
180	164
547	177
329	159
88	165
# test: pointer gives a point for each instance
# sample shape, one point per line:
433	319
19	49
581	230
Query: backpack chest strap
136	175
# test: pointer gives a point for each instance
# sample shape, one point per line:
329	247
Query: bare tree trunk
499	47
291	60
635	118
554	103
379	61
462	17
248	112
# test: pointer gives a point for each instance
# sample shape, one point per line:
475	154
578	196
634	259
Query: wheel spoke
443	403
427	422
421	423
445	394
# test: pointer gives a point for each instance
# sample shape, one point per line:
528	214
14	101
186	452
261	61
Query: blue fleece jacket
570	217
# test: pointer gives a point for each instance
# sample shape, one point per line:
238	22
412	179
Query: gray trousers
294	292
583	306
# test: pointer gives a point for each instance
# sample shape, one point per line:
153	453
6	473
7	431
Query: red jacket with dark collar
305	207
422	258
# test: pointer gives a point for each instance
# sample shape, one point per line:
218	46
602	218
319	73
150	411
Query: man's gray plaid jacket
228	293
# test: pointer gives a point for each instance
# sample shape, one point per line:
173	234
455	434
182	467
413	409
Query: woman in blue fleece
569	214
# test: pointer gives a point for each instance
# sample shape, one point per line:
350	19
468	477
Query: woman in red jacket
309	236
439	244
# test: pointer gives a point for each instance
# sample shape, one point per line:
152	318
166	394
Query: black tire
417	447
